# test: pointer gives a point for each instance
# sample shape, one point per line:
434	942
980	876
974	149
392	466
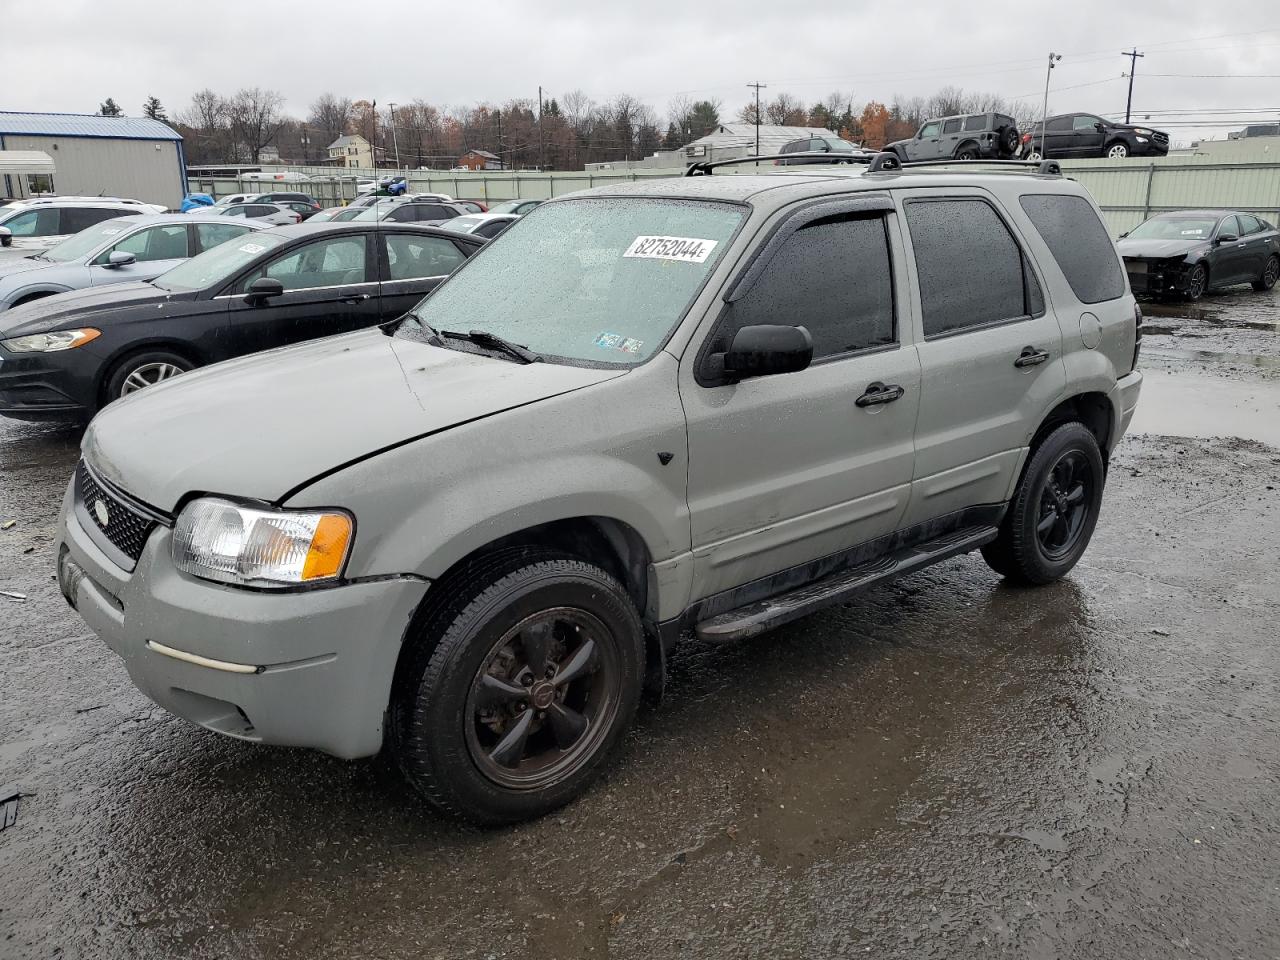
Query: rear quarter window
978	122
1079	243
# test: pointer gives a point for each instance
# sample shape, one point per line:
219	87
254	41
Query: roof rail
703	168
890	161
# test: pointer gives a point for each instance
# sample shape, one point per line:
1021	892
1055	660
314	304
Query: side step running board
756	618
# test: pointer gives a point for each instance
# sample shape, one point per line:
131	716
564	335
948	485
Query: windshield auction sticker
688	249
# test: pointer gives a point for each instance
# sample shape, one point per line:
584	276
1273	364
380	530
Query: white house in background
352	150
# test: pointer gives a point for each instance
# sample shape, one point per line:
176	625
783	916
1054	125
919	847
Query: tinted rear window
1079	242
976	123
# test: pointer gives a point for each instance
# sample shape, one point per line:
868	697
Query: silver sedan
116	251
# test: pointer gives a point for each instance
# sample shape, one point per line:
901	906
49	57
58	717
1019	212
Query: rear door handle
1030	356
878	393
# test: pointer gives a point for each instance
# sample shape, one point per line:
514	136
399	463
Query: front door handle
1030	356
355	298
877	393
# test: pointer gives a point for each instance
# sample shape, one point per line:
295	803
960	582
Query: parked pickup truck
706	406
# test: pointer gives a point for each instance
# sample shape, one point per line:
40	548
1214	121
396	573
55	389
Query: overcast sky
69	55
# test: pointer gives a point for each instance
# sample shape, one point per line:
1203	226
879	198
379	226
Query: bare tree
205	126
786	111
330	115
255	120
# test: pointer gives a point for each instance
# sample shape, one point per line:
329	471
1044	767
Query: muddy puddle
1203	405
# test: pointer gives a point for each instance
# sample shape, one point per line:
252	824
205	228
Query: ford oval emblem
101	512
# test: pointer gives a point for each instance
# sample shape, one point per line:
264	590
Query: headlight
224	541
51	342
1142	130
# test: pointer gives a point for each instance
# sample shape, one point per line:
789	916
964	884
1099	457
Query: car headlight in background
51	342
217	539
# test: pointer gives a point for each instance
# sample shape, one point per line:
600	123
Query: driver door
330	287
790	468
154	249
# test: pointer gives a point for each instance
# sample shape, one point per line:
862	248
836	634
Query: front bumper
1157	278
322	660
33	388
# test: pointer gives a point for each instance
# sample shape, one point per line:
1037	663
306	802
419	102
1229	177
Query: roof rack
703	168
883	162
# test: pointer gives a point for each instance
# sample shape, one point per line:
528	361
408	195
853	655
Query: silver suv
709	405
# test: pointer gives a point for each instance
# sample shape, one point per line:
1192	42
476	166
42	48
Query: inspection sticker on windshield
688	249
251	248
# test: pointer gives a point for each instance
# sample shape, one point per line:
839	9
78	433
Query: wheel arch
973	144
27	294
109	366
607	542
1092	408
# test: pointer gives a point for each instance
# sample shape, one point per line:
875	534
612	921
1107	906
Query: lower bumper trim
200	661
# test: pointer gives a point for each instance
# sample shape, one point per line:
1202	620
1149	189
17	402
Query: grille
126	529
1160	137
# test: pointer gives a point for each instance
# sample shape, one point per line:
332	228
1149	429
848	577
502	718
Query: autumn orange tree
875	124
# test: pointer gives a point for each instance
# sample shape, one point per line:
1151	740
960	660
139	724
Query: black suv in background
975	136
834	150
1086	135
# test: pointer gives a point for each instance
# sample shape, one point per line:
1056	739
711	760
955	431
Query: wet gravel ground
946	768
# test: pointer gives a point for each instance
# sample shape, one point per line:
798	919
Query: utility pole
498	115
395	139
1044	115
1133	56
542	154
758	88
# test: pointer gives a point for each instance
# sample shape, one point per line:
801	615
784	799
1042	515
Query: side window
1058	124
210	235
153	243
492	228
403	214
930	130
435	211
951	126
971	269
337	261
1250	224
34	223
1083	123
831	277
1079	242
75	219
977	122
1229	225
410	256
235	210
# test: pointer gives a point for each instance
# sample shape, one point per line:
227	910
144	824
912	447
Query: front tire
143	370
519	687
1197	282
1054	510
1117	151
1270	274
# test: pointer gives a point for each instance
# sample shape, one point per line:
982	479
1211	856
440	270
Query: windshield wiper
483	338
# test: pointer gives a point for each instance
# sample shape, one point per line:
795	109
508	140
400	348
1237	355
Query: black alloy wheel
1064	505
543	698
1270	274
1197	282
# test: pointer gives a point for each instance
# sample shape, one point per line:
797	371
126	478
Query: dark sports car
1190	252
64	357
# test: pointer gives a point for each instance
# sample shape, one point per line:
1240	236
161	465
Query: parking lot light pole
1044	114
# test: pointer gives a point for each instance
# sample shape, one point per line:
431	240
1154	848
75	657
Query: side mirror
1227	238
766	349
119	258
1123	235
263	289
1100	127
6	237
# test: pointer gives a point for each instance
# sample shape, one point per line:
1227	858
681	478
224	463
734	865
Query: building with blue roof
134	157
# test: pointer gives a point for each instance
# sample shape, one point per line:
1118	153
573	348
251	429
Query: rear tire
967	152
493	731
1270	273
1054	509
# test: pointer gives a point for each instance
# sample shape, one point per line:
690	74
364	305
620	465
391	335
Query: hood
78	306
262	425
1158	249
11	266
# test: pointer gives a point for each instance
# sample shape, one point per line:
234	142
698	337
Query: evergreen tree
154	109
110	108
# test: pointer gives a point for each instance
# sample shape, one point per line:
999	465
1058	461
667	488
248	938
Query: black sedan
1189	252
64	357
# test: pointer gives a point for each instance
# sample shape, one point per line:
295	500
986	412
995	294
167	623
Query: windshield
1175	228
507	206
461	224
214	266
601	281
86	241
841	146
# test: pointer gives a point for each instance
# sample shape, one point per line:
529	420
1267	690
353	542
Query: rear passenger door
990	352
412	265
210	235
951	133
330	287
786	469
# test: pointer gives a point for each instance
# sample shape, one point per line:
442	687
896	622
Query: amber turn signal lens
328	547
